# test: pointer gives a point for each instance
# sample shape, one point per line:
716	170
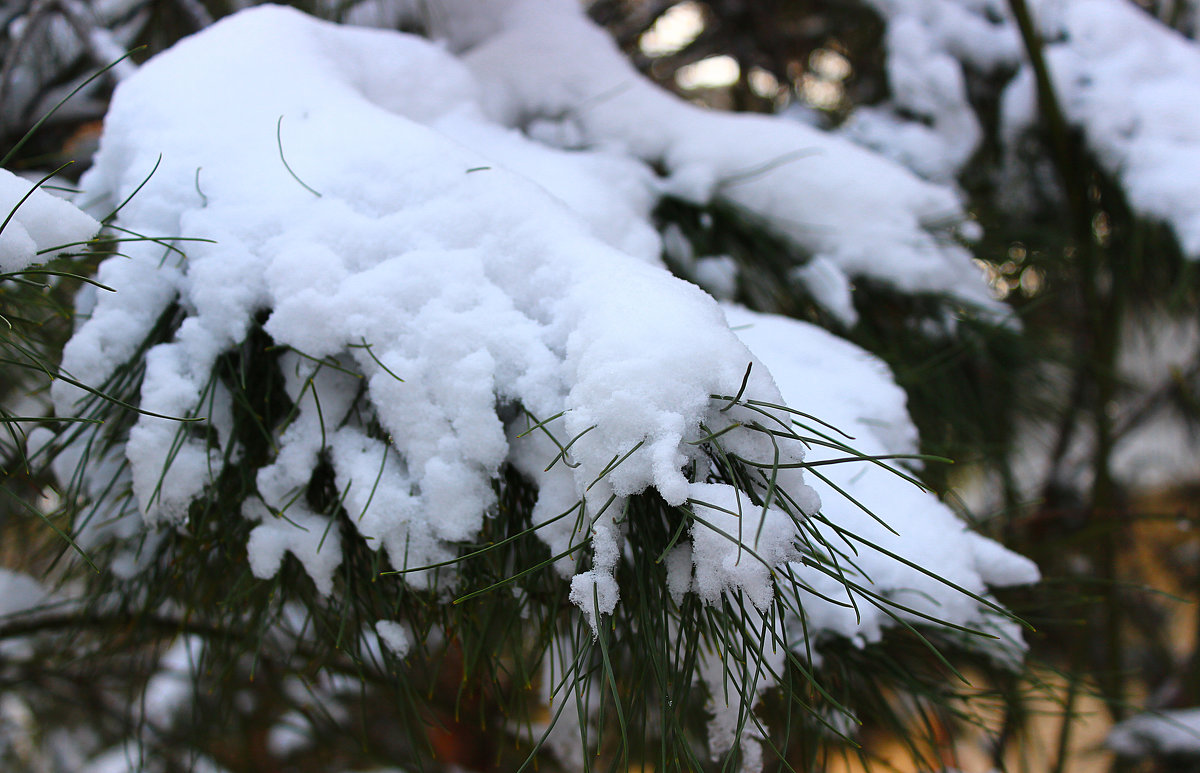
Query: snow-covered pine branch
442	265
1126	81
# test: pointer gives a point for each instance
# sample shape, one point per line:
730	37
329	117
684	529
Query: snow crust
41	227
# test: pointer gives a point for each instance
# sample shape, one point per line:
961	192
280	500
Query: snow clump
37	225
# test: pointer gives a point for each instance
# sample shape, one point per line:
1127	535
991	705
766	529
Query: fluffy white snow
453	284
1133	86
449	293
39	226
928	124
851	390
1130	83
865	215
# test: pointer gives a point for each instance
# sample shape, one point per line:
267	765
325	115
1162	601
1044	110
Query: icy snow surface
38	225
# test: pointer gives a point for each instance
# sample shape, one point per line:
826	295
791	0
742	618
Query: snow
928	123
1157	448
395	636
41	227
19	593
466	288
1157	733
866	215
170	689
853	391
1127	81
735	545
447	294
1133	85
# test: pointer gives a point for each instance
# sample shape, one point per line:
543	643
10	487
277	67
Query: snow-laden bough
445	297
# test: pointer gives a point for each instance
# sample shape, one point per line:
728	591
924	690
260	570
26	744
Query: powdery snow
39	226
867	216
457	293
928	123
1130	83
853	391
449	294
1133	86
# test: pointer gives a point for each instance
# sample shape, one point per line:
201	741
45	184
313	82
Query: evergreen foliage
169	648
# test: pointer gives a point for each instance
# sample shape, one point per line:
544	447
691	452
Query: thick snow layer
867	216
447	293
39	226
323	169
1166	732
854	392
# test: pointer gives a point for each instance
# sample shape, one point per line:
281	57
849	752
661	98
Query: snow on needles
865	215
849	391
1133	86
1126	80
458	289
446	294
37	226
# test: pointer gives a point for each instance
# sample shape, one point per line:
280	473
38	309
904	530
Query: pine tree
386	435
